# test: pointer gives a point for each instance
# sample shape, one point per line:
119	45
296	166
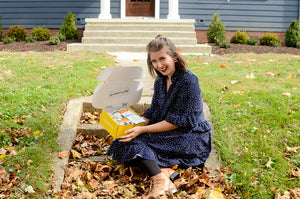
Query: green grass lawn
255	105
35	88
254	102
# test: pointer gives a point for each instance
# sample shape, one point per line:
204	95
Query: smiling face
163	62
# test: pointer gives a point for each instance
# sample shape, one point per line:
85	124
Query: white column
105	10
123	9
173	10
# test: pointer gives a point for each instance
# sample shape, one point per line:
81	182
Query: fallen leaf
29	162
235	82
43	109
223	66
63	154
271	74
29	189
93	183
7	72
213	194
75	154
2	151
291	76
292	149
37	133
286	94
296	171
2	172
268	165
251	76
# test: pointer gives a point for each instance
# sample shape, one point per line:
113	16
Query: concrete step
132	35
149	34
134	40
139	27
128	21
186	49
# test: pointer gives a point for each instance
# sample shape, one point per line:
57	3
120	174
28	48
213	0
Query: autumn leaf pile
85	178
90	117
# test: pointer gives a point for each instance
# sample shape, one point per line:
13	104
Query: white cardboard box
119	89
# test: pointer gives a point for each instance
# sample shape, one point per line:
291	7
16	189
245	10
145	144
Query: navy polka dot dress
189	144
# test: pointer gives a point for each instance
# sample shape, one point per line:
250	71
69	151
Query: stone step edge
139	21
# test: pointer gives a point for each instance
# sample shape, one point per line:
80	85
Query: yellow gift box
119	89
113	127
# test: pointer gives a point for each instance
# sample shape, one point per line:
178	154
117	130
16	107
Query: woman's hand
132	133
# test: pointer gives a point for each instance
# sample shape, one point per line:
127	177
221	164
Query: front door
137	8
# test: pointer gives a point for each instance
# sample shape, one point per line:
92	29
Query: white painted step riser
134	34
140	21
150	27
119	40
133	48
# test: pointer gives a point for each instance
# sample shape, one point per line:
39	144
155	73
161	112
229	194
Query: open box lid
119	89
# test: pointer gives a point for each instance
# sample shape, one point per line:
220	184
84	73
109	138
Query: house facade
255	16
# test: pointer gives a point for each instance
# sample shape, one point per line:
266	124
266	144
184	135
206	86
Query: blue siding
248	15
50	14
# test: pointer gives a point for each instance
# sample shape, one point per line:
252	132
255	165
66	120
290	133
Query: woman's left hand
131	134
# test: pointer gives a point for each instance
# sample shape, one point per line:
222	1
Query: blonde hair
158	44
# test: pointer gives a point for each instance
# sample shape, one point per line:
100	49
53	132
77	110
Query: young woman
176	131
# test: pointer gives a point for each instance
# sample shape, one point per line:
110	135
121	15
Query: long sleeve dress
189	144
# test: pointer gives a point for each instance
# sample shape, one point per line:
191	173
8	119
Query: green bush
61	37
224	45
252	41
17	33
292	35
0	29
8	40
69	28
30	39
54	41
270	39
239	38
216	31
41	34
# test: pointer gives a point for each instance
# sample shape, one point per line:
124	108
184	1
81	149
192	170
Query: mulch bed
42	46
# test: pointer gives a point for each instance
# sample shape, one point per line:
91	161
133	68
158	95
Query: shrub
41	34
224	45
69	28
17	33
30	39
292	35
8	40
0	29
252	41
54	41
270	39
239	38
216	31
61	37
